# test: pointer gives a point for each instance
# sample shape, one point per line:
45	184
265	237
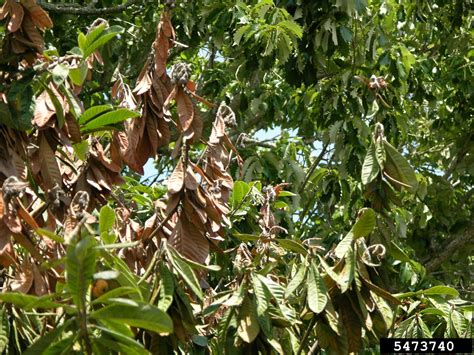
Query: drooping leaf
44	342
364	224
398	167
144	316
295	281
248	327
106	222
4	327
185	272
166	288
80	268
370	167
316	290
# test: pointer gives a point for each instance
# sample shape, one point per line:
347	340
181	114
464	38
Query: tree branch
313	167
458	242
86	11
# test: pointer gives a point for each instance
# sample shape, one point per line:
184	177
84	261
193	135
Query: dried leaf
7	253
185	109
189	241
32	33
176	180
190	179
49	165
23	278
17	12
39	16
44	109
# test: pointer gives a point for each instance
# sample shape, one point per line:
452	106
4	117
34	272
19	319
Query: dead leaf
176	180
39	16
189	241
23	278
185	109
17	12
49	165
190	180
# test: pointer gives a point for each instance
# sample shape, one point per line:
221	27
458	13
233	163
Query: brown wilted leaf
185	109
143	81
73	129
32	33
176	180
17	12
7	253
5	10
44	109
23	278
190	179
40	286
26	216
189	241
49	165
39	16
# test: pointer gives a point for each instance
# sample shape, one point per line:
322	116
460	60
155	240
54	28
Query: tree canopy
351	223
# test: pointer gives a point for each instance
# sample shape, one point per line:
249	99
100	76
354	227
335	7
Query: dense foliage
353	223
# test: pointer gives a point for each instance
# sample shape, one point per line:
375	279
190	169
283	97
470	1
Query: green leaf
50	235
106	36
166	288
246	237
276	290
81	149
248	327
21	102
239	191
114	293
295	281
348	272
292	28
239	33
262	295
291	245
399	168
4	330
143	316
81	41
132	346
29	302
63	346
92	112
380	154
92	35
80	268
344	245
316	290
106	219
59	74
44	342
370	168
79	74
439	290
364	224
185	271
108	119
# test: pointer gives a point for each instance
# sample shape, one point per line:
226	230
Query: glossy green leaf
108	119
93	112
185	272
